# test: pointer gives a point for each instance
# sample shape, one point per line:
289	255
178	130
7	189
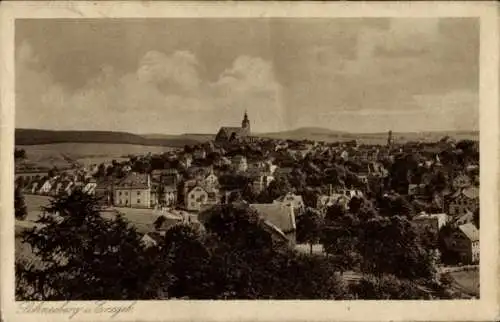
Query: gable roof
134	180
471	192
228	131
470	231
278	215
332	199
290	198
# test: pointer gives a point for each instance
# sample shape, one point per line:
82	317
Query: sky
192	75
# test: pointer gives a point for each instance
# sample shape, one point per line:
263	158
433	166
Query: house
461	181
133	191
89	188
464	240
280	218
30	174
169	177
46	187
468	217
462	201
326	201
163	195
239	163
199	154
186	159
195	198
292	200
344	155
283	171
104	190
211	180
416	189
350	193
260	179
431	223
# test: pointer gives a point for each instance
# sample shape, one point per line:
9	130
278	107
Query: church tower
389	139
245	124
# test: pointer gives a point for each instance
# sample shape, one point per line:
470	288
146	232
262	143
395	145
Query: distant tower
389	139
245	124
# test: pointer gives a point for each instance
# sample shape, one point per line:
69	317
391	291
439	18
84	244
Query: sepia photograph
331	158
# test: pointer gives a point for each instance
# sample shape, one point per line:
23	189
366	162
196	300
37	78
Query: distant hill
34	137
321	134
304	133
186	136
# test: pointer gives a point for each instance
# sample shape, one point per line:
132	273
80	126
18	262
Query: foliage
309	225
84	256
158	223
392	245
183	247
475	218
388	287
20	209
19	154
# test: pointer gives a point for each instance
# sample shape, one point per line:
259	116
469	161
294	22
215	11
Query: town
317	198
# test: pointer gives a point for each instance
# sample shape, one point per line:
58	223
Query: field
34	204
467	281
142	219
49	155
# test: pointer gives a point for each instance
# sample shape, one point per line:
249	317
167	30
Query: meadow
467	281
49	155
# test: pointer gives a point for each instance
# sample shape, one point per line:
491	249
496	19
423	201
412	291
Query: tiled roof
470	231
471	192
134	180
228	131
295	200
332	199
278	215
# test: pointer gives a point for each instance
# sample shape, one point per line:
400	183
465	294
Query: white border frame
486	308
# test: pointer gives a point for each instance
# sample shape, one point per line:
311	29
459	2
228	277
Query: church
231	134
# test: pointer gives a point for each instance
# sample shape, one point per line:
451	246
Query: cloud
180	69
455	111
164	94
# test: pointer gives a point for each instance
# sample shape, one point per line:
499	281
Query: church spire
245	124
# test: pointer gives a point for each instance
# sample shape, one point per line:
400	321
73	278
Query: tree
21	211
158	223
237	225
53	172
340	239
277	188
393	246
475	218
184	247
84	256
19	154
387	287
309	226
101	171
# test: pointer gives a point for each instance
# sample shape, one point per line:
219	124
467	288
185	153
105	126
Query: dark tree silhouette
83	256
21	211
309	226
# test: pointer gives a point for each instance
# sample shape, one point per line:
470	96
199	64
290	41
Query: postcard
260	161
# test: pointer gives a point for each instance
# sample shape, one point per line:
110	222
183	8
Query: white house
196	198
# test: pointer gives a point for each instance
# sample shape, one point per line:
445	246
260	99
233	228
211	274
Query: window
192	196
126	193
119	193
138	200
138	193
